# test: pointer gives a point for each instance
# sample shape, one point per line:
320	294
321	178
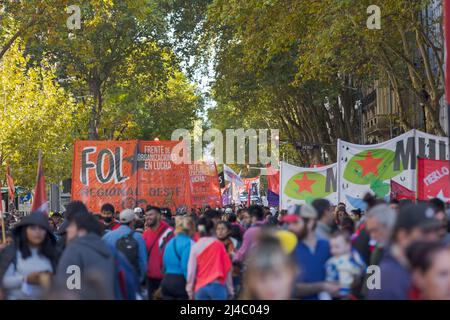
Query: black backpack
129	246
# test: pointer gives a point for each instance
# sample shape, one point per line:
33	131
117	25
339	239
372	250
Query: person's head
340	244
52	224
340	214
430	265
74	207
223	230
81	224
355	214
324	213
166	214
184	224
439	213
139	225
139	212
107	213
372	201
127	217
270	272
232	217
281	216
57	218
394	205
152	217
213	215
380	221
415	222
205	227
34	232
246	220
348	225
301	220
256	213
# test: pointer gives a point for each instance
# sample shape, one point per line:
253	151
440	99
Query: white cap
137	210
228	210
126	216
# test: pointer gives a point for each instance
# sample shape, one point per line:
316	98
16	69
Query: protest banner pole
446	8
2	220
3	228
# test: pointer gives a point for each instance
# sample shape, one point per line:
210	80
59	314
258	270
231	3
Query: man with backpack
156	236
129	243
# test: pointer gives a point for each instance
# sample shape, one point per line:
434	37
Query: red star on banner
304	184
369	164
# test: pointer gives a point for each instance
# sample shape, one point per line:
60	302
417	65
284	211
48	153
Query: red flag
40	197
433	179
273	179
11	188
400	192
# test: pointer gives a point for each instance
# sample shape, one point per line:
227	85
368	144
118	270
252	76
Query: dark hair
225	223
57	214
372	200
88	222
75	207
357	212
437	204
421	253
207	225
47	247
108	207
139	224
256	211
404	202
347	224
321	205
150	207
232	217
394	201
167	213
236	233
211	214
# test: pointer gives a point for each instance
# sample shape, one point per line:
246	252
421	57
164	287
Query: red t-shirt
156	241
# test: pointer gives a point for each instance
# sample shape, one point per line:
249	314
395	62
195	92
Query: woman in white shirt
27	264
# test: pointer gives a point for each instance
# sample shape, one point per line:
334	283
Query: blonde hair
184	224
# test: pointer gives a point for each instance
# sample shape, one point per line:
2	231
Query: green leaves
37	114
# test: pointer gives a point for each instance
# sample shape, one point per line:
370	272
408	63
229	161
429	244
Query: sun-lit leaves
36	114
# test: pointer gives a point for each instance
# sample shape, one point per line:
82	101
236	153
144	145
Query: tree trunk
95	91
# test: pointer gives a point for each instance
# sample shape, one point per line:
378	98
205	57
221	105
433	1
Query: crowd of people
397	251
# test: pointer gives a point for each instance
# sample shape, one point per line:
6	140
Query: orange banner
204	185
140	173
161	181
104	172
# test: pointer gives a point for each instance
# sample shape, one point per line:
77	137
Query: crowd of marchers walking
397	251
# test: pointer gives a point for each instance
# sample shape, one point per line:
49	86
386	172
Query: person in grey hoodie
86	258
